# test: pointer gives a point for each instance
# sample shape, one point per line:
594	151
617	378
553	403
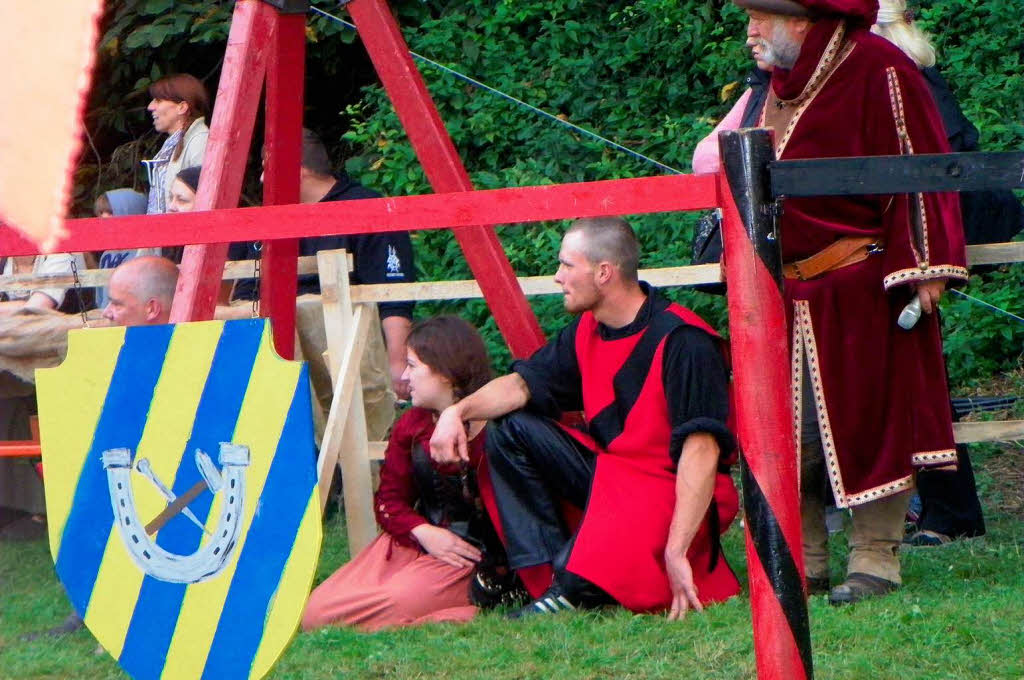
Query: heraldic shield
181	494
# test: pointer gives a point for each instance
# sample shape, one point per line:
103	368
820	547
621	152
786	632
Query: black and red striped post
760	355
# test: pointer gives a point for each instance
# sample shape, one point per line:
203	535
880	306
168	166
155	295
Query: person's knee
508	435
314	616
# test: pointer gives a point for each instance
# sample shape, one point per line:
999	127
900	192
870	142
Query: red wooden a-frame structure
267	42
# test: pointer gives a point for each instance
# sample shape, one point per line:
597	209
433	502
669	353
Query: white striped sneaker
552	601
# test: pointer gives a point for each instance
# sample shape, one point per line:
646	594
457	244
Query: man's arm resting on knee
695	484
498	397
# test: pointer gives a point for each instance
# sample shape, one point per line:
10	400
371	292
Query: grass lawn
960	615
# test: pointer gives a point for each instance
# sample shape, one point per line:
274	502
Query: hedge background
653	75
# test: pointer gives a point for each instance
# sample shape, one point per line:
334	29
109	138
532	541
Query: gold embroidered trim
882	491
803	342
796	387
946	271
907	149
934	457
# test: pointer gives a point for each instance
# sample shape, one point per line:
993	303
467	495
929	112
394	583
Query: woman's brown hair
182	87
454	349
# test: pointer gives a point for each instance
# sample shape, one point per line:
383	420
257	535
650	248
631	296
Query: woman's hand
446	546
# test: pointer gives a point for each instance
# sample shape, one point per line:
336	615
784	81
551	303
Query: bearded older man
870	398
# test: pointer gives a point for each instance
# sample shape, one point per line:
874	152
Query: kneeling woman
419	568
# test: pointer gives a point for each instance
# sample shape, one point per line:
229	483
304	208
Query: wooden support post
345	438
444	169
283	149
227	152
764	414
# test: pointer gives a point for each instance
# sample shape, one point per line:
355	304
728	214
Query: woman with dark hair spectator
179	108
182	194
435	530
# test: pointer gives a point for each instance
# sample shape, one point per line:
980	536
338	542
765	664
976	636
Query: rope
986	304
540	112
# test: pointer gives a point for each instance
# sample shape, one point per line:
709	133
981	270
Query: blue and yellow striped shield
181	494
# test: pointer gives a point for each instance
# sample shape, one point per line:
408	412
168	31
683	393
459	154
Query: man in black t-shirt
377	258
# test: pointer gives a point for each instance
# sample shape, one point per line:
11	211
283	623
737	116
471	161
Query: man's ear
153	310
604	272
801	25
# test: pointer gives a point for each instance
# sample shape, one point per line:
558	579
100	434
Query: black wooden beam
898	174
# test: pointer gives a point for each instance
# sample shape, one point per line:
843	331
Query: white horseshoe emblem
211	558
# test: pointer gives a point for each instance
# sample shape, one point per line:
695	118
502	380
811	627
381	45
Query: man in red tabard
870	398
649	474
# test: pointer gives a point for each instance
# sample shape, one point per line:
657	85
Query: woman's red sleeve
393	503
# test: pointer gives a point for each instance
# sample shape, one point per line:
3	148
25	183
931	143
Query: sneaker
552	601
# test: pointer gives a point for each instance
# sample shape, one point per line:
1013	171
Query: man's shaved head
609	239
141	291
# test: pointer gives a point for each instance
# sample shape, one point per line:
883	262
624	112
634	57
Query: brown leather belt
844	252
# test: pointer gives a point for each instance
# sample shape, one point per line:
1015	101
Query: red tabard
621	540
881	393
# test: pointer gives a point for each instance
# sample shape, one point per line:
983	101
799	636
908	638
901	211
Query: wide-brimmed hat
864	11
787	7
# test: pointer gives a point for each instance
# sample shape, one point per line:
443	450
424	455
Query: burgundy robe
880	391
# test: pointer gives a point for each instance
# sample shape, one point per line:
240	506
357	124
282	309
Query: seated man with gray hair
141	291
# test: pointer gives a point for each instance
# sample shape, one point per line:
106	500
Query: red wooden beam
644	195
283	148
444	169
25	448
227	152
764	414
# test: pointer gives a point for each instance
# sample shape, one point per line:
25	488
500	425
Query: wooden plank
635	196
690	275
283	157
991	431
238	95
970	171
336	299
98	278
996	253
376	450
530	285
345	443
354	457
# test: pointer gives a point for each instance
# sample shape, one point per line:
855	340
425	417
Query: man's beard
782	51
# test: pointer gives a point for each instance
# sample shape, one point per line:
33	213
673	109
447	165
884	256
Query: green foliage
648	75
653	75
980	342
